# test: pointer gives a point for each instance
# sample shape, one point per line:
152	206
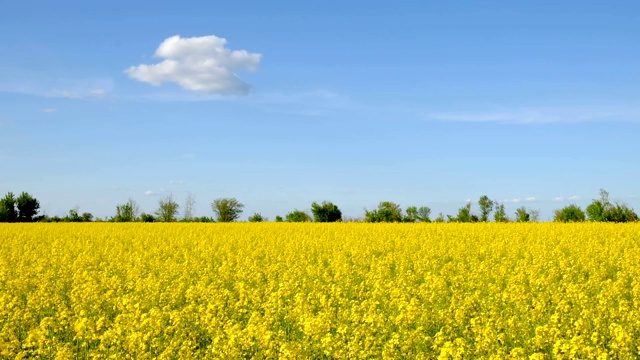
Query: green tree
522	215
387	211
126	212
500	215
167	209
298	216
73	216
257	217
621	213
8	211
414	213
486	206
326	212
144	217
424	214
87	217
439	218
227	209
411	214
28	207
597	210
279	218
464	214
571	213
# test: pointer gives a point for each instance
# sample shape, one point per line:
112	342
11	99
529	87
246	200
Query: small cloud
574	197
98	92
176	182
201	64
543	115
518	200
150	193
49	110
558	198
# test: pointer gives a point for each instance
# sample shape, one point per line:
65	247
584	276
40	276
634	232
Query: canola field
320	291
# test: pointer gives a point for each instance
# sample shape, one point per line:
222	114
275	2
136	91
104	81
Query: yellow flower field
343	291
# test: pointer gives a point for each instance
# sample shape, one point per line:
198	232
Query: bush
571	213
298	216
326	212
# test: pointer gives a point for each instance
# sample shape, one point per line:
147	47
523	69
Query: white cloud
558	198
574	197
98	92
150	193
176	182
200	64
517	200
543	115
49	110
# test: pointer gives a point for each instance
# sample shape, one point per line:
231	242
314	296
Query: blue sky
357	102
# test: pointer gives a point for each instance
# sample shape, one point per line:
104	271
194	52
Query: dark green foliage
257	217
387	211
439	218
279	218
298	216
144	217
571	213
620	213
227	209
603	210
28	207
326	212
8	211
486	206
522	215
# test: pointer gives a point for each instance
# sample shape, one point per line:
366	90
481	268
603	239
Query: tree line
25	208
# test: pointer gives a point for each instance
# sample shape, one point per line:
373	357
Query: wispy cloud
49	110
201	64
60	88
519	200
150	193
558	198
574	197
542	115
176	182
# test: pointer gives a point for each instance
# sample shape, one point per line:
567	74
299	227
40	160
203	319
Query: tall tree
127	212
522	215
227	209
464	214
597	210
167	209
189	204
28	207
486	206
8	211
326	212
500	215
